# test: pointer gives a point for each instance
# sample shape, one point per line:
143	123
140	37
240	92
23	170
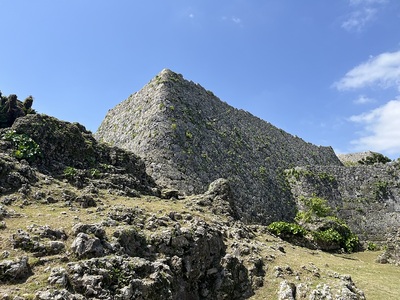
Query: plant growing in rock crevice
24	146
381	190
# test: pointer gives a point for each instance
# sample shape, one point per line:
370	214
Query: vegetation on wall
374	158
315	226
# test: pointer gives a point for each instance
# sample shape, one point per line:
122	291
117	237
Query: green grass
378	281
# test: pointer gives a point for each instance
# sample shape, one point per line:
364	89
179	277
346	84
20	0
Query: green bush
70	172
303	216
352	243
24	146
346	240
283	228
374	158
317	206
372	246
329	236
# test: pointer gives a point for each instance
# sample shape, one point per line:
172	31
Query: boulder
86	246
12	271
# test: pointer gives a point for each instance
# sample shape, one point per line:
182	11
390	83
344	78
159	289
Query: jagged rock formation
392	252
353	158
66	150
11	108
188	138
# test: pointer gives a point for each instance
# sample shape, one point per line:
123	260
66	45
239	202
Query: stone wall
366	197
188	138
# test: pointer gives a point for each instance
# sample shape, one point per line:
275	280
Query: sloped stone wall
188	138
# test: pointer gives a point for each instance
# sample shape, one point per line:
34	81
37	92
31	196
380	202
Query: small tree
374	158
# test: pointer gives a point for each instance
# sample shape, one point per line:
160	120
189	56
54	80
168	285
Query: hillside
77	228
188	138
83	219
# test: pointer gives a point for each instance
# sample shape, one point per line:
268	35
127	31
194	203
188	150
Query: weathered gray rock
96	229
69	150
47	232
130	242
219	197
14	270
178	263
85	246
54	247
58	295
287	291
349	289
3	212
58	276
392	252
22	240
323	291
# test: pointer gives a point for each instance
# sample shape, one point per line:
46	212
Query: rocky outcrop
14	270
189	138
11	108
353	158
392	253
194	266
67	150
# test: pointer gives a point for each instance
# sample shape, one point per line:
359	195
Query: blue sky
326	71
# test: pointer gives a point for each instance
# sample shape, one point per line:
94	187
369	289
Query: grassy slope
376	280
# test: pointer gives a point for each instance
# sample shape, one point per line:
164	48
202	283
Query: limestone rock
392	252
14	270
85	246
69	150
287	291
58	277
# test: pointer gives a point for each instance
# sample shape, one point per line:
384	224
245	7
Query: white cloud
363	100
232	19
236	20
364	12
383	70
358	19
382	129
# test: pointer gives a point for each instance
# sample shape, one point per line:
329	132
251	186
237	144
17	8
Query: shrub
317	206
283	228
25	147
381	190
372	246
303	216
70	172
352	243
374	158
329	236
